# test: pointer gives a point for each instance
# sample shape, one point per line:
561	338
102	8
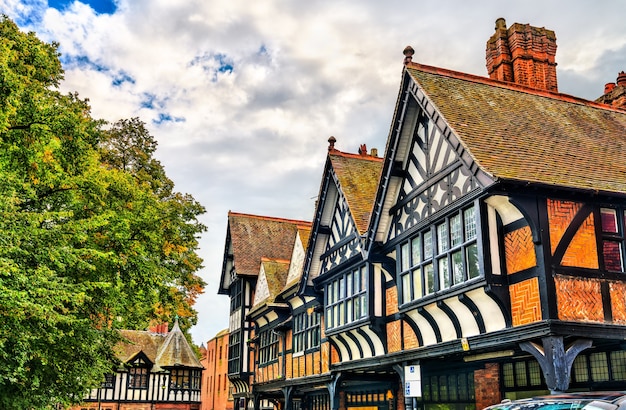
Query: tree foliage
93	237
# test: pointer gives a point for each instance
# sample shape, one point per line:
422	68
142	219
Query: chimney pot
374	152
500	24
621	79
608	87
362	150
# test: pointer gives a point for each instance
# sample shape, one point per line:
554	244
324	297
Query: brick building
481	258
216	392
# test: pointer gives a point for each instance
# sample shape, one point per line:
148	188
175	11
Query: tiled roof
176	351
358	177
522	134
254	237
163	350
275	271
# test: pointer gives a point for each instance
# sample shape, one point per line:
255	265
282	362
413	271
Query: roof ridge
277	260
510	86
355	156
270	218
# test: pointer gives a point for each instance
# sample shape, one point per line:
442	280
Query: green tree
91	239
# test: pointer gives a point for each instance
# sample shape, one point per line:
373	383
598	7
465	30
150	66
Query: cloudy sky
243	95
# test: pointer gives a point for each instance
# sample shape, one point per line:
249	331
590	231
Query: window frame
268	346
615	236
440	248
345	303
306	331
234	351
139	372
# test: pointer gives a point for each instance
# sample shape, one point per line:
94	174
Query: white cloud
255	89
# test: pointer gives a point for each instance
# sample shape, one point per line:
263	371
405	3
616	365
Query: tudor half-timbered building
158	370
254	244
482	258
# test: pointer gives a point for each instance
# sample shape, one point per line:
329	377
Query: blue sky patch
164	117
99	6
122	78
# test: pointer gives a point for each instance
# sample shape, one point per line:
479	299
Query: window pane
363	279
428	245
429	278
599	367
349	291
618	365
470	224
442	238
406	288
609	220
456	234
457	267
471	256
357	307
329	317
349	312
444	273
363	306
417	284
404	252
612	256
416	251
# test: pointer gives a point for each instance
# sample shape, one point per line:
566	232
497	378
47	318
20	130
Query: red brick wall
487	385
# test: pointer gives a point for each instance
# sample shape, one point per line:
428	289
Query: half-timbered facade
483	257
159	370
254	244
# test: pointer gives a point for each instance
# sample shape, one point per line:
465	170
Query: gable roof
252	237
522	134
358	177
271	281
163	350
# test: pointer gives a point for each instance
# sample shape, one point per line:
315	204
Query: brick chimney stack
522	54
615	93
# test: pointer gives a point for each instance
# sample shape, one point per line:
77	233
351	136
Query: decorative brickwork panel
296	367
309	364
560	215
289	340
301	367
618	302
289	366
317	363
579	299
487	385
394	338
582	252
410	338
525	302
392	301
519	250
334	355
325	357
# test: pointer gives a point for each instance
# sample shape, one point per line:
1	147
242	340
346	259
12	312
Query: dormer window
138	372
138	378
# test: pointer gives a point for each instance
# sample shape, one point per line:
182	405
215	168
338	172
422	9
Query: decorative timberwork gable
344	241
435	174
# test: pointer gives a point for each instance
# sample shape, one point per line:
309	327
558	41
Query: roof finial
408	54
331	143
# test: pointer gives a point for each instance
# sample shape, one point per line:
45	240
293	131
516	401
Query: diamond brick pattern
410	338
582	252
394	339
579	299
325	357
560	215
392	301
519	250
525	302
617	291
